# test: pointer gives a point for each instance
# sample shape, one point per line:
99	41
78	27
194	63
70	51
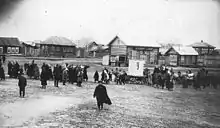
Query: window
1	50
17	50
9	50
13	50
52	48
57	49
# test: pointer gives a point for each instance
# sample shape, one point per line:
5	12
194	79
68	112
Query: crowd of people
161	77
118	76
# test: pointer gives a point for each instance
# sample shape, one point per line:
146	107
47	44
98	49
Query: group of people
63	73
107	76
162	77
13	69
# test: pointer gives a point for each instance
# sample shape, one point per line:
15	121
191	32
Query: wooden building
203	50
147	53
10	46
120	52
181	56
117	52
57	47
31	48
100	51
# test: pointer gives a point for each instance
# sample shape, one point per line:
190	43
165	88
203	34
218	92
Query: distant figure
2	73
10	69
22	83
101	96
65	75
79	77
96	76
57	75
44	77
3	58
85	76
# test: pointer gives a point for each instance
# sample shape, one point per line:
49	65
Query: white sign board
105	60
136	67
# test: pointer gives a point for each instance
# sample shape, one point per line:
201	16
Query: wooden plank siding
118	47
57	51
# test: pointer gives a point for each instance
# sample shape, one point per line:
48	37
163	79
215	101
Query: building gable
118	42
171	51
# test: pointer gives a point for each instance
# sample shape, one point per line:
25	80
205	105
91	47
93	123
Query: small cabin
181	56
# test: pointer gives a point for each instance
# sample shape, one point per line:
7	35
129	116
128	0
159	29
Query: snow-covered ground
133	106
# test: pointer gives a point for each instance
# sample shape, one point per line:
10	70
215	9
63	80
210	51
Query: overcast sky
183	21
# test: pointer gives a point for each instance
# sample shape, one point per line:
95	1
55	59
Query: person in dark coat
17	68
70	74
2	73
101	96
96	76
10	69
65	76
57	75
74	74
85	76
79	77
44	77
22	83
3	58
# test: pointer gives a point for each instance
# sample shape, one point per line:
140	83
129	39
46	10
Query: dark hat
100	82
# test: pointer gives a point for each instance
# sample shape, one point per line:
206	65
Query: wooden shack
57	47
181	56
123	50
10	46
31	48
117	52
203	49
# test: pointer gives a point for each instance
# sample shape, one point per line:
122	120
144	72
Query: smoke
7	7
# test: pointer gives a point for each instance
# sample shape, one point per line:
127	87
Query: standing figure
123	77
96	76
101	96
10	69
85	76
65	76
44	77
22	83
79	77
74	74
3	58
17	68
110	75
2	73
56	73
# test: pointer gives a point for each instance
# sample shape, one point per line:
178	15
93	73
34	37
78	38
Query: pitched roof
184	50
83	42
100	48
55	40
201	45
217	50
9	41
135	41
163	50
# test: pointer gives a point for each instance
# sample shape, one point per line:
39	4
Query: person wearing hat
22	83
101	96
65	75
79	77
